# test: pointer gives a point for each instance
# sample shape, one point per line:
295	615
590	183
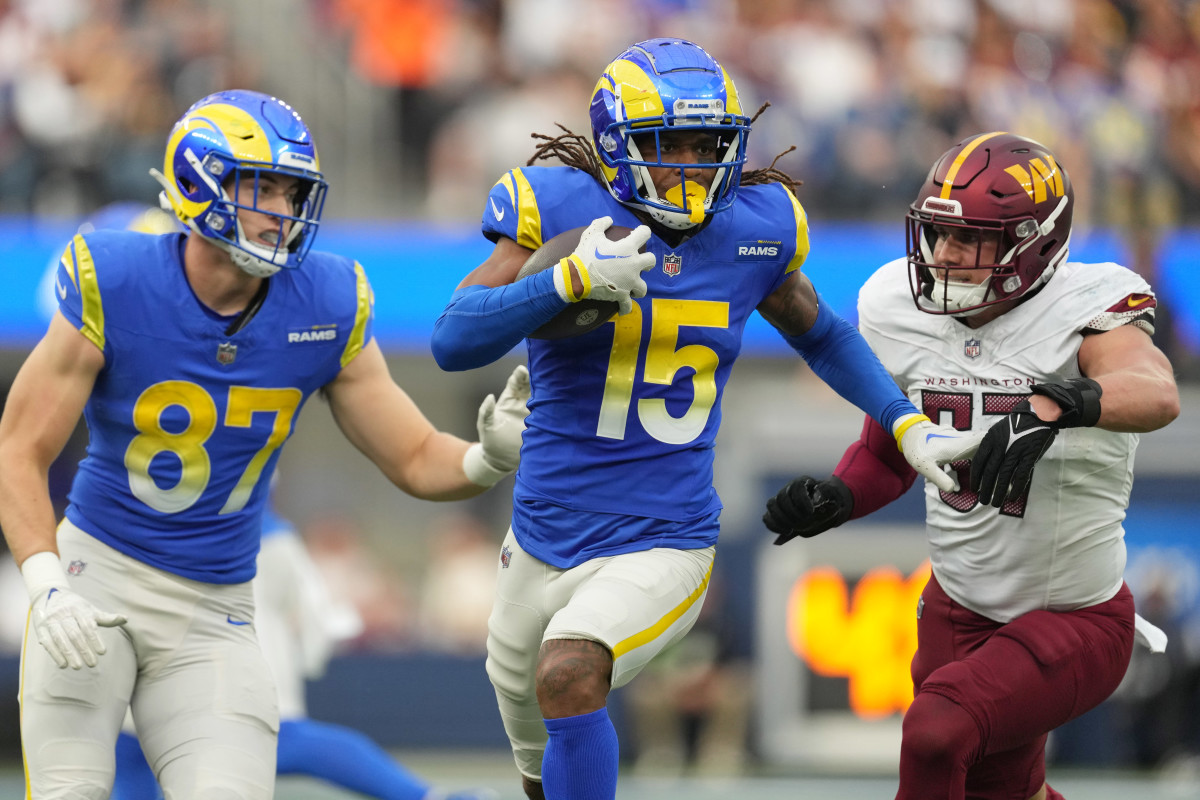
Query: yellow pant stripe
655	630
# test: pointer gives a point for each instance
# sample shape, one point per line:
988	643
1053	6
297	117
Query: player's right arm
44	405
500	268
491	312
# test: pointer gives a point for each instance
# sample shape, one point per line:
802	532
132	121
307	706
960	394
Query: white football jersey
1060	547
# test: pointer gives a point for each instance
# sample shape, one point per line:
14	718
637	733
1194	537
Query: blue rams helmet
665	85
224	139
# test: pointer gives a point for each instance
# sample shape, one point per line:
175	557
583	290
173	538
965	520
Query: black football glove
806	507
1003	466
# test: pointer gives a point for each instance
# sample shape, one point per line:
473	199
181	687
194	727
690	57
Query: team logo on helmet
1041	180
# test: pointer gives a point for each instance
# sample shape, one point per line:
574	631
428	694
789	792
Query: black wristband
1079	399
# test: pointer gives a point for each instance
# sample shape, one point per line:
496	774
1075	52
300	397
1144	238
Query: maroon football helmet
989	183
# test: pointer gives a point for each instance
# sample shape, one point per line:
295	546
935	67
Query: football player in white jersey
1026	621
190	356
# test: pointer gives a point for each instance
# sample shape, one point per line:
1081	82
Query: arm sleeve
841	357
874	470
481	324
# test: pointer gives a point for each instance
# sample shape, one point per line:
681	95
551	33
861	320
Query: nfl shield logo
971	348
76	567
505	557
671	264
226	353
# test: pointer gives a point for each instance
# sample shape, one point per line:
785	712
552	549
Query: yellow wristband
904	423
584	278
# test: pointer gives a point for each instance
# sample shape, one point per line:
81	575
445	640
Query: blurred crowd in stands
420	105
869	91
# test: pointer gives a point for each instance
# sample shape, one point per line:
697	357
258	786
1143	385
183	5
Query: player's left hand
501	422
1003	467
927	447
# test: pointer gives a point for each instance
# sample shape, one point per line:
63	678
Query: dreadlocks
576	151
569	148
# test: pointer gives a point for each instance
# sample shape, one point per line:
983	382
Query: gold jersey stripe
507	183
89	291
656	630
529	218
365	302
962	157
802	243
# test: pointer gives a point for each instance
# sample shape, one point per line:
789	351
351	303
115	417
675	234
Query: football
577	318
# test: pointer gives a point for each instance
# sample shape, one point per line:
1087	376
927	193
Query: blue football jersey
623	419
185	423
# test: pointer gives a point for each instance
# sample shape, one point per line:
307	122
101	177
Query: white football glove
65	623
609	270
500	425
927	447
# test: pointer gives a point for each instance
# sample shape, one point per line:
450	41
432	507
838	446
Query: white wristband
41	571
478	470
560	283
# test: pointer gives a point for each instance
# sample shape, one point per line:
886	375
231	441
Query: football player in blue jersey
614	516
190	357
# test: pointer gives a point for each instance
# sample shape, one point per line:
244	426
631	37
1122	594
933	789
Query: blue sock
344	757
135	780
581	758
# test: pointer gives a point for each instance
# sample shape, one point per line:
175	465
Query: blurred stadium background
418	106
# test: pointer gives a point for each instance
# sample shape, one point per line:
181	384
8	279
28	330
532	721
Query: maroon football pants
987	693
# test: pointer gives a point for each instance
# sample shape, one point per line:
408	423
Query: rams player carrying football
190	356
614	516
1026	622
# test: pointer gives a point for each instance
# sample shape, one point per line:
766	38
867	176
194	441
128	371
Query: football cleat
663	85
218	143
